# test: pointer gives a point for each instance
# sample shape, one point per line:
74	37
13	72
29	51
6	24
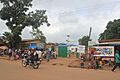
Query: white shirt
39	53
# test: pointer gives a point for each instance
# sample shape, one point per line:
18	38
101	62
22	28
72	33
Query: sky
73	17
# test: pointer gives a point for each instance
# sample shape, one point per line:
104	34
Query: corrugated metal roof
109	40
109	43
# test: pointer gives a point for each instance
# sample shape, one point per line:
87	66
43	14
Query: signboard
78	49
106	51
81	49
91	43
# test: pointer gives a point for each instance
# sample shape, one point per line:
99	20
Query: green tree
14	12
11	39
38	19
37	34
84	41
112	31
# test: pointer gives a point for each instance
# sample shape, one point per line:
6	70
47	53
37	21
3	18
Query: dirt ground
54	70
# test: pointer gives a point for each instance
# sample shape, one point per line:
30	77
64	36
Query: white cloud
3	27
75	17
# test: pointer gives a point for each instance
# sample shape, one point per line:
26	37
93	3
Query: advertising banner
107	51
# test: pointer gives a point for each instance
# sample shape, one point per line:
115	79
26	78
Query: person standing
10	53
117	60
110	63
48	55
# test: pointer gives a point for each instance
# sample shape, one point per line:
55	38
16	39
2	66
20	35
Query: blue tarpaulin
33	45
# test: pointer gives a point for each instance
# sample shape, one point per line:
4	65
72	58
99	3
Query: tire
24	63
36	65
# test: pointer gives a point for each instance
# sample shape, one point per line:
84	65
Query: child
100	64
110	63
89	65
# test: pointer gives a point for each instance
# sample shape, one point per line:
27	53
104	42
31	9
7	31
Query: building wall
26	43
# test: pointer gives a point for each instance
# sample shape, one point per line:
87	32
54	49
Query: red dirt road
12	70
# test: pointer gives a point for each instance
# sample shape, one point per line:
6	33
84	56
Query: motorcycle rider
31	59
37	54
32	55
28	55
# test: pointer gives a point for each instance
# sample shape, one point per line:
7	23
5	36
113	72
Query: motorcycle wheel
36	65
24	63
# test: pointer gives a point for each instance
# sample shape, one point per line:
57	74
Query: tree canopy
84	40
17	17
37	34
112	31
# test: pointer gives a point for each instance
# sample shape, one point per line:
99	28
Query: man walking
10	53
117	60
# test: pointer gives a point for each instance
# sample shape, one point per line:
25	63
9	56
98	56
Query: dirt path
12	70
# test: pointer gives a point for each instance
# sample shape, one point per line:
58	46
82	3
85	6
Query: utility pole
68	41
90	32
89	38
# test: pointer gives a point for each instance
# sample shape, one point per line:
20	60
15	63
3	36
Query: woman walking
117	60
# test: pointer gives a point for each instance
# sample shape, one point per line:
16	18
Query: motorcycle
31	62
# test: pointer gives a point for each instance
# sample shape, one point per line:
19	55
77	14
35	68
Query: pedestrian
48	55
55	54
110	63
10	53
94	63
100	64
89	65
117	60
13	57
